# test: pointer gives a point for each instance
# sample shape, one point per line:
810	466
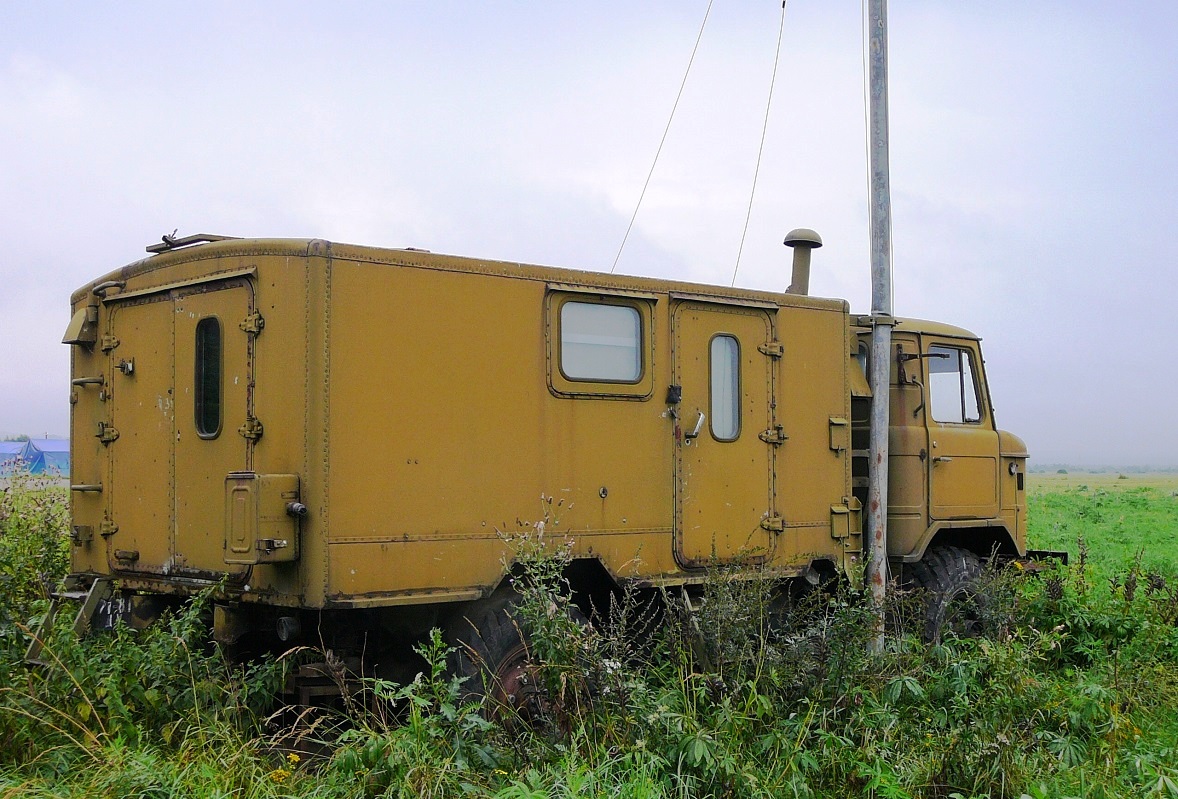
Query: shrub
163	686
34	546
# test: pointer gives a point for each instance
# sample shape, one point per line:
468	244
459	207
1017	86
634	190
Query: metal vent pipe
802	240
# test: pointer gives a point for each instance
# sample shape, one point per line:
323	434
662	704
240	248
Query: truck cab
954	478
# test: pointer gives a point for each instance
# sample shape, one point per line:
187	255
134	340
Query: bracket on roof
171	242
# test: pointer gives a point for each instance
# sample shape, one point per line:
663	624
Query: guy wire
662	141
761	149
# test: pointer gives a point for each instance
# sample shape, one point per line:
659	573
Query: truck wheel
955	602
492	650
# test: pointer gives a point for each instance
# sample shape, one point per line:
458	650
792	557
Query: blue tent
10	456
46	456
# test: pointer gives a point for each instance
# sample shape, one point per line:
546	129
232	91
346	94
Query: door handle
698	424
942	459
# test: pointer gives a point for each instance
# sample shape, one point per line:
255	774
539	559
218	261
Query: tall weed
164	686
34	545
422	739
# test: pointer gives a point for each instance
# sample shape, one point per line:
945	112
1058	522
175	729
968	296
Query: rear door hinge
107	528
251	430
253	323
107	433
774	435
774	524
109	343
774	349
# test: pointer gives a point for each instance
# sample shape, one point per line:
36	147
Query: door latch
107	433
774	435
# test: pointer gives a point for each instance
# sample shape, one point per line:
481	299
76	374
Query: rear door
179	386
214	421
724	501
137	434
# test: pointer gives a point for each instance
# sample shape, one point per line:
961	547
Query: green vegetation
34	547
1116	517
1074	693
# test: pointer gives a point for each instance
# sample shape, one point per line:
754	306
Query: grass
1075	693
1117	517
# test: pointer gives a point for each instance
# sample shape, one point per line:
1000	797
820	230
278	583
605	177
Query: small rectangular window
600	342
207	380
725	403
953	392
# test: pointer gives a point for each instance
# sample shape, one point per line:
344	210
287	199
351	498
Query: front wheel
955	600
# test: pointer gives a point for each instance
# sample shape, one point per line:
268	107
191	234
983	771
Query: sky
1034	170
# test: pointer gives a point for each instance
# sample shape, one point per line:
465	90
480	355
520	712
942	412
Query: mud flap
1048	554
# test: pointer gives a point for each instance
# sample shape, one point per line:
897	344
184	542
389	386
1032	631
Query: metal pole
881	310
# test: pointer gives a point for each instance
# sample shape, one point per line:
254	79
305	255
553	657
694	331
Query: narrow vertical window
207	380
969	392
725	366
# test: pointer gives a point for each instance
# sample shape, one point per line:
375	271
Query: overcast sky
1034	167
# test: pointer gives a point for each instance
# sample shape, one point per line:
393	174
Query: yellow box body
426	409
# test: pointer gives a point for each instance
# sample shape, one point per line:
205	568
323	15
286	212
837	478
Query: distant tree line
1070	468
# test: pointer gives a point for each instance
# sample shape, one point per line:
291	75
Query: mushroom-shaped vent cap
802	237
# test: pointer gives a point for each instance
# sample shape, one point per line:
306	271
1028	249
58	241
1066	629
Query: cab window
953	392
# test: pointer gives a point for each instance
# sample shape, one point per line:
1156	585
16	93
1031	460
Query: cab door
724	500
215	428
962	440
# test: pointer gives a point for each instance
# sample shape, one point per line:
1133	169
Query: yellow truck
344	438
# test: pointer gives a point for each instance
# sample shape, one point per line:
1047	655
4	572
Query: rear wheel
492	651
955	601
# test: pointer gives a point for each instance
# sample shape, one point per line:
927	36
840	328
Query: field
1072	693
1117	517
